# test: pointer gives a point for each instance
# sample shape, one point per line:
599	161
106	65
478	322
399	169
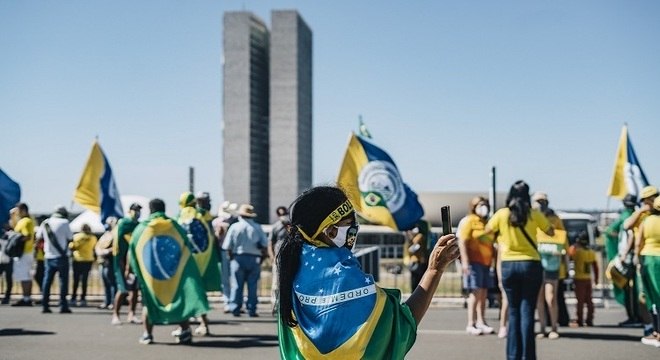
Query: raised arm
444	252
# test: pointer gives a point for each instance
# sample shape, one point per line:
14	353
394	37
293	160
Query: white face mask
482	211
340	239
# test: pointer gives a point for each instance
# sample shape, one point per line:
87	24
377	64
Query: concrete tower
290	108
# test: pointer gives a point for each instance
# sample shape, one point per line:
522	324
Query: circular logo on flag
161	256
198	235
382	179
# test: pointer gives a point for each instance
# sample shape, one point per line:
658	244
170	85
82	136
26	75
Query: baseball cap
539	195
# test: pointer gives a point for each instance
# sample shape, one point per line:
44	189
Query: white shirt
61	230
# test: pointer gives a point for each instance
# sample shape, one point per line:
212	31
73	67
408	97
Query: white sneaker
177	332
485	329
115	321
502	333
201	330
650	340
472	330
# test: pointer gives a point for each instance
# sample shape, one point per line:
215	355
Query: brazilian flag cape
342	313
203	246
171	286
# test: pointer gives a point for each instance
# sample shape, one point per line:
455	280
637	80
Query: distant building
290	108
267	110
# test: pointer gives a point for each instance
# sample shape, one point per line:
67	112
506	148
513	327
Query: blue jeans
521	281
58	265
109	284
225	275
244	268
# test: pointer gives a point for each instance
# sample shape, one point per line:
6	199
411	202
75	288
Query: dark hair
22	207
156	205
519	203
307	213
281	211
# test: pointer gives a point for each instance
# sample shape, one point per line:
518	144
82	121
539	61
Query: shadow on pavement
237	341
19	332
591	336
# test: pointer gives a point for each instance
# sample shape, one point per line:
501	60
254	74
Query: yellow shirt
83	247
25	226
513	243
651	226
584	258
478	250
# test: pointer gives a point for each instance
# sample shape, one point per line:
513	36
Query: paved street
25	334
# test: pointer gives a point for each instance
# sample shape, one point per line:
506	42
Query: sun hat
246	210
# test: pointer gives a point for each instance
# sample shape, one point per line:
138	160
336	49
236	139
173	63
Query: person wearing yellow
585	262
553	261
83	256
647	258
23	264
476	260
522	274
632	224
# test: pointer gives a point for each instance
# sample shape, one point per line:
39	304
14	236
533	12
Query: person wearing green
124	278
329	308
612	236
647	258
160	255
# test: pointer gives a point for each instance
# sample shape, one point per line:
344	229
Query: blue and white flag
10	194
628	176
374	185
97	190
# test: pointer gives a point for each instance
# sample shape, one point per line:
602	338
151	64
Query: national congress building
267	110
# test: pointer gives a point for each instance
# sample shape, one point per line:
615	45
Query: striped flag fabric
374	185
628	176
97	189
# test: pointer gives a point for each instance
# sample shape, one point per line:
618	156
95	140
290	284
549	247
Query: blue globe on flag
198	236
161	256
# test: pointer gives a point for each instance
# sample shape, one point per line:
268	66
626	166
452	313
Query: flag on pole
373	184
97	190
160	256
10	194
628	176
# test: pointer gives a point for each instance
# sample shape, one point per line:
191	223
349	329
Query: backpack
15	244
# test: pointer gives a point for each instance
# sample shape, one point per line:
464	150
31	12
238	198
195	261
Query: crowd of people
524	247
320	295
225	253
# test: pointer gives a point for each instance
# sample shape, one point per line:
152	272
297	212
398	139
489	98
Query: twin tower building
267	110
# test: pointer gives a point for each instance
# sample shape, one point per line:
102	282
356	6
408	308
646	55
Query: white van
575	223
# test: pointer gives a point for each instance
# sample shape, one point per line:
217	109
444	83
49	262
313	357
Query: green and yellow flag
160	255
342	313
203	246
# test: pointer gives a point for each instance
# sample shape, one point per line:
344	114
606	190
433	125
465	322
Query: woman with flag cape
328	306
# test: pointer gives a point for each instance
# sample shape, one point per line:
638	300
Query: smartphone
446	220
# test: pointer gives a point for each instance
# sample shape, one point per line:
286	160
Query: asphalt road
25	333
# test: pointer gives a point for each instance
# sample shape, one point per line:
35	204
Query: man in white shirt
56	235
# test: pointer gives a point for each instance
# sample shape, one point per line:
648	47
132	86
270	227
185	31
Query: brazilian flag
342	313
171	286
203	246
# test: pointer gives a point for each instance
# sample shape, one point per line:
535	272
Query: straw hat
246	210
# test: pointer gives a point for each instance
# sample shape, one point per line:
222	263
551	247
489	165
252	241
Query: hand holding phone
446	220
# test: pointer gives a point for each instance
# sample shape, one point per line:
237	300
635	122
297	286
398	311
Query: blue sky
539	89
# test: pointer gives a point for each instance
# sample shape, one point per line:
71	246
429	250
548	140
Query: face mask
482	211
346	236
